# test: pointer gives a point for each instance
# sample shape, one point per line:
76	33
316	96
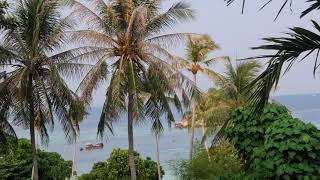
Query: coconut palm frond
219	133
216	59
96	75
314	6
84	13
215	76
6	129
96	38
136	25
298	47
177	13
62	98
171	40
115	102
70	70
84	54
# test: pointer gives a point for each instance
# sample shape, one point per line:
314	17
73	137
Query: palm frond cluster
124	42
314	5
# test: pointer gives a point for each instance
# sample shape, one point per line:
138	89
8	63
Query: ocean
174	143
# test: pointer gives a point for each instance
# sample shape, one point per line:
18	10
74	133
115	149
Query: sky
236	33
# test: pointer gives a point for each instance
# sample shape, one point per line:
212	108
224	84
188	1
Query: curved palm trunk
130	139
32	133
36	132
205	142
158	156
74	153
194	80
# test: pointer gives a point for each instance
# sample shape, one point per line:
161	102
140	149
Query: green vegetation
248	132
291	150
17	164
6	21
125	43
224	163
117	167
275	145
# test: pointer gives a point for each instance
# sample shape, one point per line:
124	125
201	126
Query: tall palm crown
198	49
217	104
125	40
34	89
124	44
238	78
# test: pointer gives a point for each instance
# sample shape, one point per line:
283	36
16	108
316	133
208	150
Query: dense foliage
6	21
17	164
291	150
248	132
117	167
276	145
224	163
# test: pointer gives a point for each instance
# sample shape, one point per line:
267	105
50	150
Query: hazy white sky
236	33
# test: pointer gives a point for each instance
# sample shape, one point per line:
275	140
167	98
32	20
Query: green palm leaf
289	51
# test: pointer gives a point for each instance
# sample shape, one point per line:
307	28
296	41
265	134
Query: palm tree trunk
158	156
205	142
74	153
36	138
130	139
194	80
32	134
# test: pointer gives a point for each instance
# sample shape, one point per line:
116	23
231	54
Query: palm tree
300	44
233	93
34	87
198	49
237	79
6	23
126	38
288	49
77	114
161	94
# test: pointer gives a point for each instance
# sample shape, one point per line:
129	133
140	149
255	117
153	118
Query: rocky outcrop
91	146
184	123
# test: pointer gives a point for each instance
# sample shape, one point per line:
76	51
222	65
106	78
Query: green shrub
117	167
276	146
248	132
17	164
224	164
291	151
99	170
53	166
87	176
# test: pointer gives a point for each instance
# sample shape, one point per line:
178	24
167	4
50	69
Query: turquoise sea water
173	142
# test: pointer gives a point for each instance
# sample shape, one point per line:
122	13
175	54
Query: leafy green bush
248	132
17	164
291	151
224	164
276	146
117	168
87	176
